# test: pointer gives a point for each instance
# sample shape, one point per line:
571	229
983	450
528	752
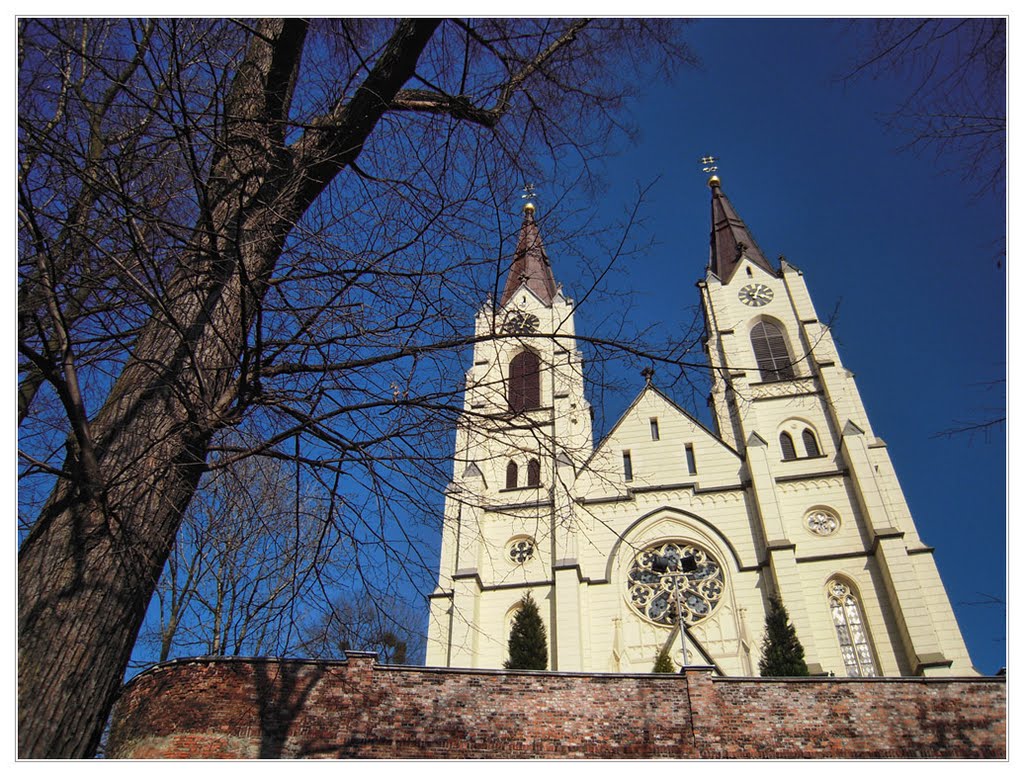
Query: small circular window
822	522
521	550
672	578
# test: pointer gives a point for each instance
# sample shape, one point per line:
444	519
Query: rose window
521	551
822	523
675	577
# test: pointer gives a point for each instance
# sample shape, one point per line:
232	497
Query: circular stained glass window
521	550
675	577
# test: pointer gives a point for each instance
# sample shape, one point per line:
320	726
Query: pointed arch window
512	475
533	473
811	443
786	444
524	382
854	642
770	351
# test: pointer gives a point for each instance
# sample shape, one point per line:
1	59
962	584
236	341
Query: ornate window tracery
822	522
854	642
661	595
521	550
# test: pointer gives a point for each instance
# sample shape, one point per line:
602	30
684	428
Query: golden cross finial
529	194
710	164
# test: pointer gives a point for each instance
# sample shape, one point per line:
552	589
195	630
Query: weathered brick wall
209	708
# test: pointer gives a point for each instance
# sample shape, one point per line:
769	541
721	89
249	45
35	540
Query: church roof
530	265
730	238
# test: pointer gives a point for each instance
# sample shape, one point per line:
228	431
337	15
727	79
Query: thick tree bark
89	566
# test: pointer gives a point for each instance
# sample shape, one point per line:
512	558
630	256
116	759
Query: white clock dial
756	295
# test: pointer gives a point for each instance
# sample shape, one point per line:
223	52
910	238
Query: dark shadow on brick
280	699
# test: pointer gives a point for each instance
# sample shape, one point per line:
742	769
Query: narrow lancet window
654	429
786	444
533	473
854	642
627	465
512	475
691	459
811	443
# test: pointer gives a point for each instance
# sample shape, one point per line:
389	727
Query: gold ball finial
529	208
714	181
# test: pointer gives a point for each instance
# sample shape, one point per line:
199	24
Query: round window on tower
675	577
521	549
821	522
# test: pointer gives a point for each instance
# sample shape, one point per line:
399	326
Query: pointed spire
730	238
530	264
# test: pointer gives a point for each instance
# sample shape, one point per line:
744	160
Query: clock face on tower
756	295
519	323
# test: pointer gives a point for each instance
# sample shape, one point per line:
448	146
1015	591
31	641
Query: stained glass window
851	629
675	577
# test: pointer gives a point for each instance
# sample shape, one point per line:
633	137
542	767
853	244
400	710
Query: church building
790	495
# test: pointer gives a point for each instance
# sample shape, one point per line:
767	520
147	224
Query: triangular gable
673	406
510	297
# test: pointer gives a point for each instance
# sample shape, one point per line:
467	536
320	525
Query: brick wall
210	708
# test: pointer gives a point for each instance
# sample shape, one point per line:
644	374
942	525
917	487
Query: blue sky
904	253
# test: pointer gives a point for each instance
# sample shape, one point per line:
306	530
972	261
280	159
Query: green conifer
663	663
782	655
528	642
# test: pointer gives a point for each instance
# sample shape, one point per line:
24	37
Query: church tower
669	534
525	431
782	397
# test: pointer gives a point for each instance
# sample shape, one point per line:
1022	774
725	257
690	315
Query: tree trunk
90	564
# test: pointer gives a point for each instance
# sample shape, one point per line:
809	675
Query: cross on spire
710	164
529	194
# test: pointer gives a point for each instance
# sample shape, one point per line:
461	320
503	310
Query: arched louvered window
770	352
811	443
533	473
512	475
854	642
786	444
524	382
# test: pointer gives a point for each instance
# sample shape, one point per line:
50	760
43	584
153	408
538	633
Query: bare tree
250	550
955	76
365	619
261	227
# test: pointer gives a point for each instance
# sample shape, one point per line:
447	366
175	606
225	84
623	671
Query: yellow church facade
791	495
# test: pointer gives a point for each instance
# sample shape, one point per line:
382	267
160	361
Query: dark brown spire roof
530	264
730	238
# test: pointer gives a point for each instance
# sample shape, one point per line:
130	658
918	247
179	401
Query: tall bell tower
524	433
782	397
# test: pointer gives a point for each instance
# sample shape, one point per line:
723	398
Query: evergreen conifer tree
782	655
663	663
528	642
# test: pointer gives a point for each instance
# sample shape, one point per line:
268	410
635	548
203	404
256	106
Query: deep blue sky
905	250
